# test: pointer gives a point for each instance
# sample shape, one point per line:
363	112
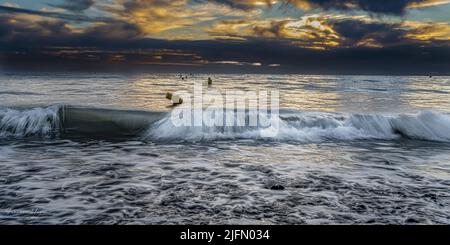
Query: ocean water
87	148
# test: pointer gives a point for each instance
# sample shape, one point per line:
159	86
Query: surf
318	126
75	121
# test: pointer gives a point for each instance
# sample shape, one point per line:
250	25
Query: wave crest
318	126
34	122
69	121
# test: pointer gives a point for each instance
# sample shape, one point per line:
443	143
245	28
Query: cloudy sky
299	36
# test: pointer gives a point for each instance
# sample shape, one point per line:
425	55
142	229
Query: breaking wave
36	121
318	126
71	121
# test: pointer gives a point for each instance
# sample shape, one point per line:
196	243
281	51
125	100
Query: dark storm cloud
69	17
385	34
242	5
408	58
328	32
395	7
120	45
5	28
137	4
118	30
75	5
274	29
42	33
356	29
26	31
376	6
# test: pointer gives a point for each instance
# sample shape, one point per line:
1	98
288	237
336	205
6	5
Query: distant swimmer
209	81
176	100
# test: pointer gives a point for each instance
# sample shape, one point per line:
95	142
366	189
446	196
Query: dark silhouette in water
209	81
176	100
277	187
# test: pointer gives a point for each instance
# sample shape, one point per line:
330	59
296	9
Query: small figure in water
209	81
176	100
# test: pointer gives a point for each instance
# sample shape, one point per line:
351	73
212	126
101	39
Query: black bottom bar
224	234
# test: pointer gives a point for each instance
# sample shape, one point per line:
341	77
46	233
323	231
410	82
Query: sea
101	148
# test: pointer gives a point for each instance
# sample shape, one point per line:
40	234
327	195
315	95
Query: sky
257	36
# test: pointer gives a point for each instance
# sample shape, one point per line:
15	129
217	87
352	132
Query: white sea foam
36	121
293	126
317	126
